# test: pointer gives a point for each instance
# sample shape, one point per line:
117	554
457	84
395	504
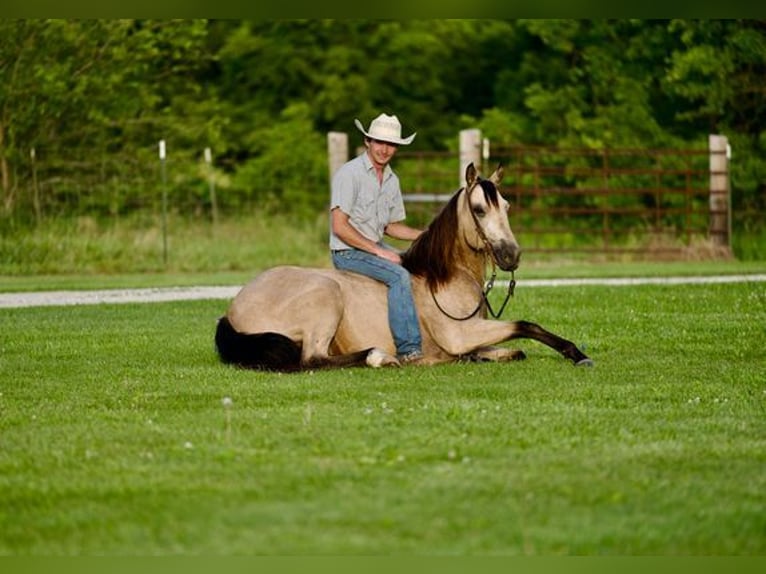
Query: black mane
433	254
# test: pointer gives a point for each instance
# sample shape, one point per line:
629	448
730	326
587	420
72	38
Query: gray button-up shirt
369	204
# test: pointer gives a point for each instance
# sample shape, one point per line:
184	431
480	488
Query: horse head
487	227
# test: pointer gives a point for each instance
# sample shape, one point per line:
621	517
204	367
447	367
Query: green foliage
287	170
93	98
116	440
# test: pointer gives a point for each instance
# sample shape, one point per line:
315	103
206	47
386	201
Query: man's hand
389	255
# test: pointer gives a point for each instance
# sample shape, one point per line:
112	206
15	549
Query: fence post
470	152
35	188
208	154
164	204
720	226
337	151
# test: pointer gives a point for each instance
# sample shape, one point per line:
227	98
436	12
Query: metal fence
610	201
638	201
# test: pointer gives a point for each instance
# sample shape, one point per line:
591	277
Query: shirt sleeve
343	190
396	207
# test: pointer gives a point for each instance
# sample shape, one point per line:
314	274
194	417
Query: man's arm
349	235
400	230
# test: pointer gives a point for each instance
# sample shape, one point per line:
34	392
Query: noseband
487	251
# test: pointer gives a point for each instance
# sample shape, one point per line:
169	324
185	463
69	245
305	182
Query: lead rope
508	295
484	299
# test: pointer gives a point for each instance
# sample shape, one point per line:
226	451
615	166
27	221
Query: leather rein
484	300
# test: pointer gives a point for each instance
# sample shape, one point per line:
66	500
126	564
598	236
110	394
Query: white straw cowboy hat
386	129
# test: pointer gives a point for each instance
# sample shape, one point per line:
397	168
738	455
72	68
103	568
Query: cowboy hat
386	129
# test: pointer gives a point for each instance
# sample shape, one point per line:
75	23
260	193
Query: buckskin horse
292	318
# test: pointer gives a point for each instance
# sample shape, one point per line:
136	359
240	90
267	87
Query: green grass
114	439
86	247
554	269
83	253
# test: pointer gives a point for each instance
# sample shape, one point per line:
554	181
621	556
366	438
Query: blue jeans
402	316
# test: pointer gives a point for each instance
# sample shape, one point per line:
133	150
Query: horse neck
427	256
472	261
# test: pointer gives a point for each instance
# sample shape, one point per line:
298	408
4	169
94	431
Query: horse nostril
507	256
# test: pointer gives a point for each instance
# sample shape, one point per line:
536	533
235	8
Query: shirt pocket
365	208
391	207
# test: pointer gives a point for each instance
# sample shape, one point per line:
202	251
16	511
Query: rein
490	284
483	301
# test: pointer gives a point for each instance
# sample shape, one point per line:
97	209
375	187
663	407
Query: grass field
121	434
554	269
237	246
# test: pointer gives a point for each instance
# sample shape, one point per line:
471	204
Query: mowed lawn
121	434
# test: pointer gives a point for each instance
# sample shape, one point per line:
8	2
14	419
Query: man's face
381	152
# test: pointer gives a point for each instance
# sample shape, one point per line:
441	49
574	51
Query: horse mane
433	255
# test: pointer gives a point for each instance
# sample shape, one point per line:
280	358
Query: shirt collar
371	168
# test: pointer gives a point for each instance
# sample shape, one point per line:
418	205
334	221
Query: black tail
264	351
273	351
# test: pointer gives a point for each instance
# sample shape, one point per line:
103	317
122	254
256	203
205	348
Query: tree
262	93
288	168
69	87
716	79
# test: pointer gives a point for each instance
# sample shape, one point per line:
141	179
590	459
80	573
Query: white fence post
720	201
163	155
337	151
470	152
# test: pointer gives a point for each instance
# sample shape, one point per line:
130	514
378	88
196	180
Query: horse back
295	300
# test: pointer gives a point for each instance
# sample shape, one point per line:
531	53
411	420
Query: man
366	204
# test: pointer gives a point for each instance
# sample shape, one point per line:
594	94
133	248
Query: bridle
486	249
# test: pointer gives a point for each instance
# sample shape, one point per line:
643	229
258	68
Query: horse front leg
496	355
527	330
473	337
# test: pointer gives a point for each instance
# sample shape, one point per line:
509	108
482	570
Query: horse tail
275	352
263	351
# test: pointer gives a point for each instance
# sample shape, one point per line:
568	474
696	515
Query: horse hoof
586	362
377	358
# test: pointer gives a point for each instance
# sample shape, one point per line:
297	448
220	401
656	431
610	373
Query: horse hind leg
372	357
317	342
278	353
316	352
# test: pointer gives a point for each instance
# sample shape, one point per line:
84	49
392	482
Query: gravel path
151	295
159	294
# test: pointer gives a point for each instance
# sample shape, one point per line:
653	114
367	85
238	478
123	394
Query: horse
292	318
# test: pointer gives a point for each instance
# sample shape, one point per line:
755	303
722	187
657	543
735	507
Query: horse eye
479	211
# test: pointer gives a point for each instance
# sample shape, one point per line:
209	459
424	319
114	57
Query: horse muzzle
507	255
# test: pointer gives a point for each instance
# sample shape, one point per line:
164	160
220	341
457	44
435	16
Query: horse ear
497	176
470	176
